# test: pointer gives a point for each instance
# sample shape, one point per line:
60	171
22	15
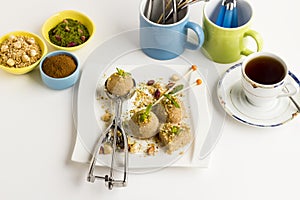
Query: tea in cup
169	40
264	79
227	45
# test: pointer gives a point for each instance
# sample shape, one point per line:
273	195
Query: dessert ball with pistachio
174	136
143	124
170	109
120	83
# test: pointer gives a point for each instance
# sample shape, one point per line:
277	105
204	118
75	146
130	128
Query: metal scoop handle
116	126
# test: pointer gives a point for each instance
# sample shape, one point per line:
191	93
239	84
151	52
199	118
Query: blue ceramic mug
167	41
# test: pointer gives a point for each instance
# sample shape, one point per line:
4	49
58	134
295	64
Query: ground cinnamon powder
59	66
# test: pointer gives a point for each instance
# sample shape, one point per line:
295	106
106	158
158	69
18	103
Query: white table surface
37	130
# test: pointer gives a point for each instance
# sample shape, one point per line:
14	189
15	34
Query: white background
37	131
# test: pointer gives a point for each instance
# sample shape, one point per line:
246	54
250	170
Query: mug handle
289	89
257	38
200	35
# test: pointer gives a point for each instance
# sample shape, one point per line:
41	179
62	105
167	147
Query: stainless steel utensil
118	137
174	5
295	103
164	12
148	9
181	5
293	100
185	4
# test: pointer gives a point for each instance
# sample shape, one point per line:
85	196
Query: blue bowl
60	83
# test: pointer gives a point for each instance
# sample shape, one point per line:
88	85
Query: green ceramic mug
227	45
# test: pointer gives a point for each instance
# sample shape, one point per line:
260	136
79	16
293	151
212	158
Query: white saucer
234	102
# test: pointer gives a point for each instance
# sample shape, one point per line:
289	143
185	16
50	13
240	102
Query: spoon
187	3
293	100
182	5
174	11
295	103
148	9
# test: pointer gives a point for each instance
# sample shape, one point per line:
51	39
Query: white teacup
264	79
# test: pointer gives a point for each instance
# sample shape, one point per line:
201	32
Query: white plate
123	50
233	100
195	101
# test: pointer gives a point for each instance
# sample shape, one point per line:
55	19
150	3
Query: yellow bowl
29	68
59	17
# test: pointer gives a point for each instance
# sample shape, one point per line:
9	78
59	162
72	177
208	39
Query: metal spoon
293	100
186	4
174	11
295	103
182	5
148	9
164	12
